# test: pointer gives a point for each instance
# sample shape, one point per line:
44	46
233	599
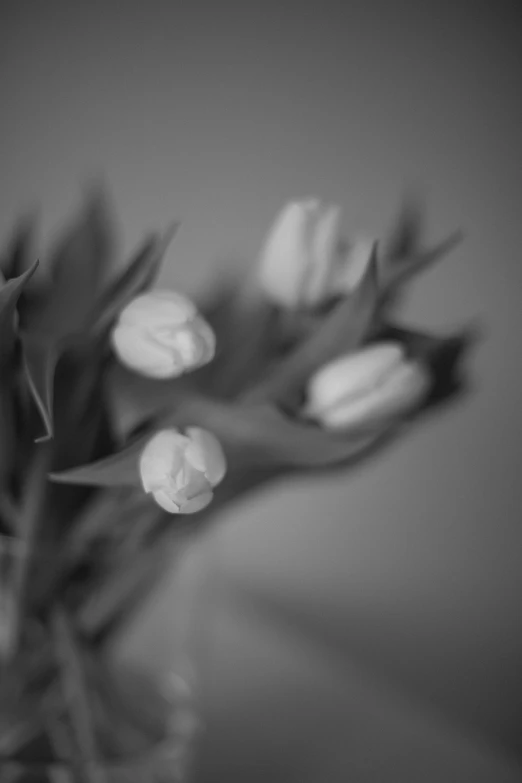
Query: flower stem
76	700
31	518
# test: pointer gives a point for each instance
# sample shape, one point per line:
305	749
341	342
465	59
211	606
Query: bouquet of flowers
130	414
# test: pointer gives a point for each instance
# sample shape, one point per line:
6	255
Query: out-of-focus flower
373	384
160	334
296	261
181	470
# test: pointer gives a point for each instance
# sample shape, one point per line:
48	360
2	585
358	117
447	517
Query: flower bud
181	470
299	253
376	383
160	334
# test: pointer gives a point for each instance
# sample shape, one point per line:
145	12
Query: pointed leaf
239	360
77	265
260	435
76	695
7	434
251	435
275	439
9	294
342	330
118	470
404	254
83	252
405	237
393	277
135	279
83	430
16	259
442	355
40	360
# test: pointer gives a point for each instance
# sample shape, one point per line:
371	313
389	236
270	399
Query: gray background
362	627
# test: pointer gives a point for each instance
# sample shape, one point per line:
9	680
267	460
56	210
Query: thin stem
9	513
76	700
31	518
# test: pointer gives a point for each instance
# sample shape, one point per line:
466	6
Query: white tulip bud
160	334
376	383
296	262
180	471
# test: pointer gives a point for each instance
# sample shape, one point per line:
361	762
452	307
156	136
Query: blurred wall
364	626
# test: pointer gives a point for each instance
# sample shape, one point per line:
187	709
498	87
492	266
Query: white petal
164	500
323	255
158	308
352	375
400	393
138	351
206	454
206	339
161	459
285	255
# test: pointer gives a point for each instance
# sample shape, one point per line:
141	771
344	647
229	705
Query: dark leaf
9	295
443	355
126	586
118	470
47	329
78	267
7	434
251	435
133	709
86	247
405	253
9	555
17	258
97	519
76	697
405	237
31	521
83	430
238	360
260	435
9	514
393	277
136	278
342	330
133	398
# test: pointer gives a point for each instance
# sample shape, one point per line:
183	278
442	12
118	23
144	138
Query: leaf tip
49	435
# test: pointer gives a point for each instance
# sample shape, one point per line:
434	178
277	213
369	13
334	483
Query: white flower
161	334
373	384
181	470
298	255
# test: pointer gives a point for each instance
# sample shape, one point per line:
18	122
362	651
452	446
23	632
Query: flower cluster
310	368
126	409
